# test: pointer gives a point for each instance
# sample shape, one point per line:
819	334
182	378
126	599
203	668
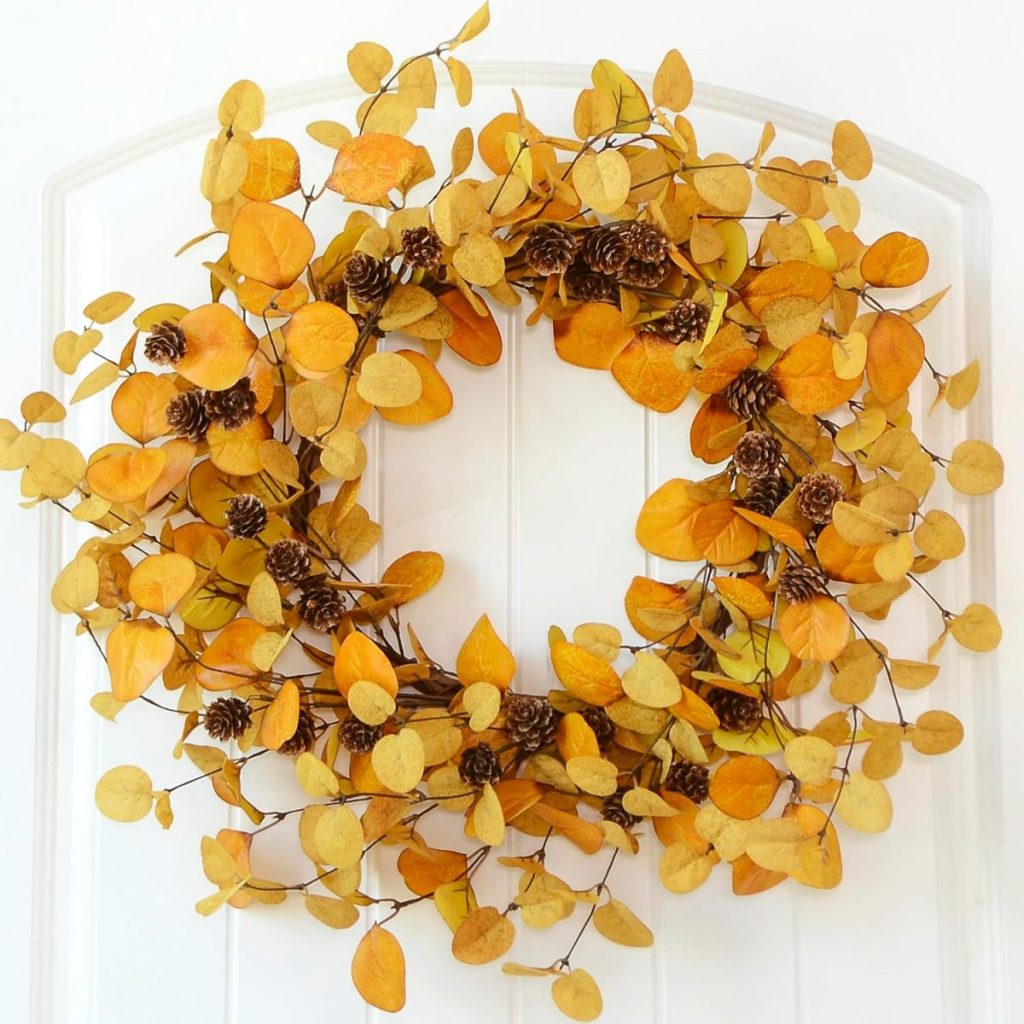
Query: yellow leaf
673	83
124	793
576	994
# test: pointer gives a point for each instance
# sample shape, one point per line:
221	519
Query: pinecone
233	407
816	494
367	279
479	765
638	274
227	718
287	561
612	810
605	250
586	284
358	737
246	515
685	321
736	712
322	607
421	247
646	242
304	737
757	454
688	778
186	414
531	721
799	582
549	249
602	725
751	393
766	495
166	344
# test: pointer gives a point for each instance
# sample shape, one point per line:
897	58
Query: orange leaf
815	630
273	170
180	454
359	658
320	337
585	675
721	372
517	795
137	652
895	356
713	418
424	868
476	338
484	658
139	406
159	582
270	244
644	593
378	970
592	336
791	277
747	596
806	377
895	261
575	738
665	524
695	710
722	536
679	828
281	719
782	532
648	374
744	786
415	572
843	561
584	834
124	476
749	878
227	662
435	401
256	297
368	167
218	347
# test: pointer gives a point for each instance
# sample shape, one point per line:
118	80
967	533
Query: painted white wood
534	533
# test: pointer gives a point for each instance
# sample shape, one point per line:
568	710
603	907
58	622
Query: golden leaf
378	970
137	652
576	994
673	83
484	658
483	936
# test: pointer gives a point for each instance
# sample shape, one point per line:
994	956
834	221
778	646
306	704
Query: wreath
230	530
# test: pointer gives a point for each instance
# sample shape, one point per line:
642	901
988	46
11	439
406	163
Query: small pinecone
246	515
646	242
531	721
304	737
605	250
751	393
227	718
186	414
233	407
603	726
367	279
287	561
766	495
479	765
421	247
688	778
799	582
612	810
166	344
685	321
757	454
549	249
588	285
358	737
322	607
643	275
736	712
817	494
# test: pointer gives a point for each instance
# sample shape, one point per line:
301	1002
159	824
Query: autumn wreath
230	525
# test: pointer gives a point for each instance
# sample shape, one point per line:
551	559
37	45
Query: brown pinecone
646	242
685	321
186	414
757	454
227	718
816	494
766	495
605	250
549	249
688	778
638	274
751	393
421	247
358	737
530	721
586	284
612	810
479	765
322	607
287	561
367	279
246	515
736	712
304	737
233	407
600	723
799	582
166	344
